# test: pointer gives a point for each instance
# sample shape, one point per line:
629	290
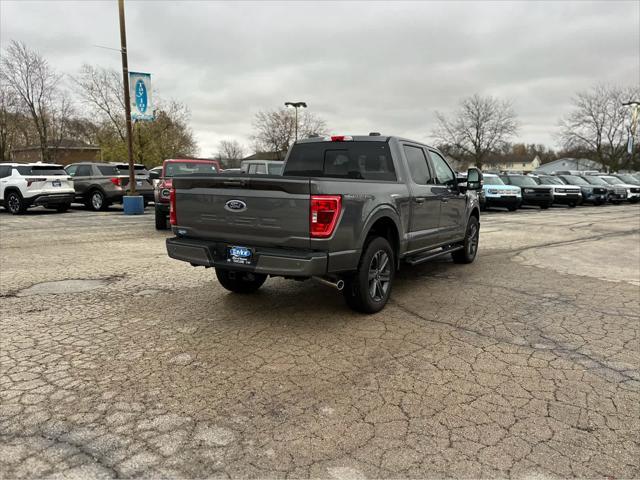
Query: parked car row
98	185
511	191
95	184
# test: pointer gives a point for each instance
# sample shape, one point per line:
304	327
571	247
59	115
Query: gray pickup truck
347	211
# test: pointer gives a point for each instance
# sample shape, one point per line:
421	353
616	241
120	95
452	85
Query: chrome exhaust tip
338	284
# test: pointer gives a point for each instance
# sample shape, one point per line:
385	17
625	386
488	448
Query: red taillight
173	220
324	214
116	181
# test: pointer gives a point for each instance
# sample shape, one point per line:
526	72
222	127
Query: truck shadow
287	300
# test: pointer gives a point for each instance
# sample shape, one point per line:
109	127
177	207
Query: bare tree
274	130
9	118
479	127
231	153
101	90
596	123
28	75
167	136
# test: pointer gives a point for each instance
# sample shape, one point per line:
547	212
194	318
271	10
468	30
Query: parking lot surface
522	364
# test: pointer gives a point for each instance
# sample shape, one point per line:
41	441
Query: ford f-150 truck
347	211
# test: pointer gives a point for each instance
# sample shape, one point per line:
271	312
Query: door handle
419	199
444	199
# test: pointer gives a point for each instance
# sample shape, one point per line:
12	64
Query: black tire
572	205
616	202
545	207
63	207
96	201
633	200
240	282
369	288
512	208
161	220
471	241
14	203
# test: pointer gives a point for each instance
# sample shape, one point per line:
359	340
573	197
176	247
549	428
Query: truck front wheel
240	282
369	288
471	240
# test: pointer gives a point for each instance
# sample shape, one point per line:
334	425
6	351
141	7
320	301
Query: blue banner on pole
140	93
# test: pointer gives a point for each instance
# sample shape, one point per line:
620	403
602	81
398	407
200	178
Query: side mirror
474	179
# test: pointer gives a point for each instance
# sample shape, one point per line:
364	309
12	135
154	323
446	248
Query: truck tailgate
247	211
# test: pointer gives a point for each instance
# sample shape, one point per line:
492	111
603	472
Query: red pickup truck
177	168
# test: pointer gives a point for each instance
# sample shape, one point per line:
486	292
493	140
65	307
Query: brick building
64	153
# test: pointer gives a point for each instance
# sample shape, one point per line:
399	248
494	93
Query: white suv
23	185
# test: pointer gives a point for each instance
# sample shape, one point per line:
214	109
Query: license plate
241	255
56	183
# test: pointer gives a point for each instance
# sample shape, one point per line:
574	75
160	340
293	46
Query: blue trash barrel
133	204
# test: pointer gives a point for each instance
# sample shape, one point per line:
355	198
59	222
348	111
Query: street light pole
127	100
296	105
635	110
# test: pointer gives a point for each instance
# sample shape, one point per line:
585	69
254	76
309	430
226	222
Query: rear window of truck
355	160
172	169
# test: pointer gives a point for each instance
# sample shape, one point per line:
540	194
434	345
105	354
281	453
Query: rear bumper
270	261
52	199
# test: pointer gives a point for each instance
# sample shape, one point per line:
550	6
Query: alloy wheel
472	242
13	203
96	200
379	275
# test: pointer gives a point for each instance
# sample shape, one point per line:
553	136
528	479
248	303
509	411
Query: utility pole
296	105
127	100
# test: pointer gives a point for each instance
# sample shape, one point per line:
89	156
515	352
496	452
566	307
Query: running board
431	254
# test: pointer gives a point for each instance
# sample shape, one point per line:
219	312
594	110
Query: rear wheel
369	288
471	241
96	201
15	203
545	207
572	205
240	282
161	219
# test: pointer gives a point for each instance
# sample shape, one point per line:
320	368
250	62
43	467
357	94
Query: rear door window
5	171
418	166
355	160
107	170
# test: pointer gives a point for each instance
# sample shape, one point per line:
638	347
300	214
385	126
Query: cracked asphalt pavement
523	364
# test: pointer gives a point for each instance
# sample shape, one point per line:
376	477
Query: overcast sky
362	66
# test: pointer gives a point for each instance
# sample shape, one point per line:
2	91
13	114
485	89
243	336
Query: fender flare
381	211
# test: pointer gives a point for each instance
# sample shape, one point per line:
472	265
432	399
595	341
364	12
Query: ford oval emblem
235	206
